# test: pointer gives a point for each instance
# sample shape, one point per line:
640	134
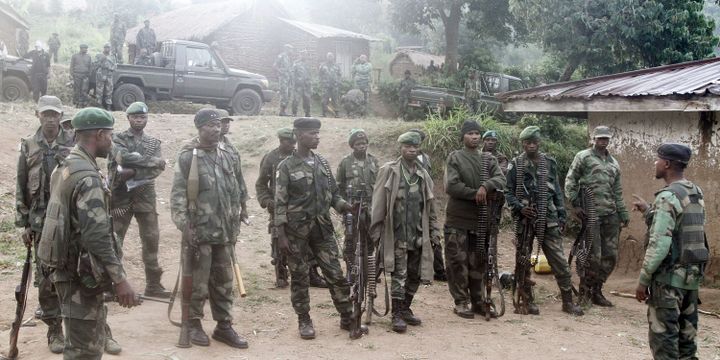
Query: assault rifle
361	270
583	243
525	234
21	298
279	259
490	273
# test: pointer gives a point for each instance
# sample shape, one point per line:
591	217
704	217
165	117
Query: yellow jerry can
540	264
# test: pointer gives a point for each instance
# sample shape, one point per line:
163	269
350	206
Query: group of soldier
72	213
295	84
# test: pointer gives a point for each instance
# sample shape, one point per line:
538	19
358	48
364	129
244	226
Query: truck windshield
200	58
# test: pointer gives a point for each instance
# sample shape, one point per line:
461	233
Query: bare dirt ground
265	316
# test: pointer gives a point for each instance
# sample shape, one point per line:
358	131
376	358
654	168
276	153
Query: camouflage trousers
47	296
473	105
315	238
81	83
553	250
301	92
464	266
604	254
104	89
284	88
149	236
673	318
85	319
404	109
405	278
213	279
117	50
330	100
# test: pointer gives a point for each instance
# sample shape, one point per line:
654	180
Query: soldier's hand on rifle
126	295
640	204
579	212
161	164
27	237
641	293
528	212
481	196
126	174
283	243
347	208
270	205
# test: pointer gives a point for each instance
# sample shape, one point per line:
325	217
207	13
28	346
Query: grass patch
12	249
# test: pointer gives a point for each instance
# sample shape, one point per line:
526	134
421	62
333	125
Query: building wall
8	34
637	136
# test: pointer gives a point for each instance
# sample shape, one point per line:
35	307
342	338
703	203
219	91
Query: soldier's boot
153	287
463	310
347	322
398	324
479	309
407	313
315	279
224	333
598	298
197	334
532	308
305	327
56	339
568	305
112	347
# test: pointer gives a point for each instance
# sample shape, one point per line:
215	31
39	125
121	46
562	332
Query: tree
607	36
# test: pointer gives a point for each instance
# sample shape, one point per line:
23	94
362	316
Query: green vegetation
12	250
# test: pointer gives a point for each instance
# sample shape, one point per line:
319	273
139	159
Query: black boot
224	333
398	324
463	310
153	287
197	334
598	298
567	304
315	279
56	339
305	326
407	313
347	322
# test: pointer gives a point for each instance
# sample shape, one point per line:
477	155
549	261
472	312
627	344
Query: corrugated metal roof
13	15
419	57
690	78
324	31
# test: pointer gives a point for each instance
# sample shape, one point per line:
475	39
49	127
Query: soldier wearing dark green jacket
471	178
330	78
675	257
541	186
598	171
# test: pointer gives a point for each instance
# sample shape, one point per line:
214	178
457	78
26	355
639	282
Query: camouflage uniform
54	46
104	82
462	181
361	74
145	39
36	162
353	103
80	66
303	196
283	65
437	245
117	38
406	85
502	160
217	223
601	174
472	94
301	87
673	300
330	84
357	175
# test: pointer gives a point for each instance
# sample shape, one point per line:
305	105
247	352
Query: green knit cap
530	133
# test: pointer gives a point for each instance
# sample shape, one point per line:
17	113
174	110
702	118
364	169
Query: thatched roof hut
12	26
414	60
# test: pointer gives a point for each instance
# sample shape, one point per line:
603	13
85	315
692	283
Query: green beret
490	134
356	134
420	132
410	138
205	116
530	133
137	107
92	118
307	123
286	133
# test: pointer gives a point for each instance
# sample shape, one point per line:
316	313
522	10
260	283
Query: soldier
78	219
490	141
144	59
406	86
80	66
472	92
117	37
104	82
305	190
540	189
23	42
301	85
146	39
597	170
283	67
403	222
353	103
361	74
54	46
39	154
472	177
215	225
135	163
356	173
676	256
39	70
265	192
67	126
330	77
226	144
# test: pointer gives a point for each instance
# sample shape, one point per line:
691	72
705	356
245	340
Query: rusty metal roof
699	77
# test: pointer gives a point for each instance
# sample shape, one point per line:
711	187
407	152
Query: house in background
414	60
677	103
13	31
249	34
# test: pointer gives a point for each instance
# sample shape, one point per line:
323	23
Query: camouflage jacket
36	162
105	64
406	85
80	64
304	193
360	175
265	184
602	174
330	75
664	221
117	32
502	160
472	89
300	74
226	144
283	65
462	181
555	201
143	154
361	74
145	39
217	218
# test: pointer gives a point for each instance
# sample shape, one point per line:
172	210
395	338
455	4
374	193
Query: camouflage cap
224	114
355	135
602	132
530	133
286	133
137	107
49	102
490	134
92	118
674	152
306	123
205	116
410	138
65	120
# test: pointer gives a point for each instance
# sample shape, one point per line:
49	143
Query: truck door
199	76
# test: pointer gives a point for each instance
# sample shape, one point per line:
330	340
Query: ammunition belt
583	247
483	212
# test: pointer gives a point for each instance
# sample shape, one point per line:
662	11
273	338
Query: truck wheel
14	89
246	102
125	95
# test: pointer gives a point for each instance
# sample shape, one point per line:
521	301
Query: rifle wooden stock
238	277
21	298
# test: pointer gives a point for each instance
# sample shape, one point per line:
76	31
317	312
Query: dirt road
266	318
